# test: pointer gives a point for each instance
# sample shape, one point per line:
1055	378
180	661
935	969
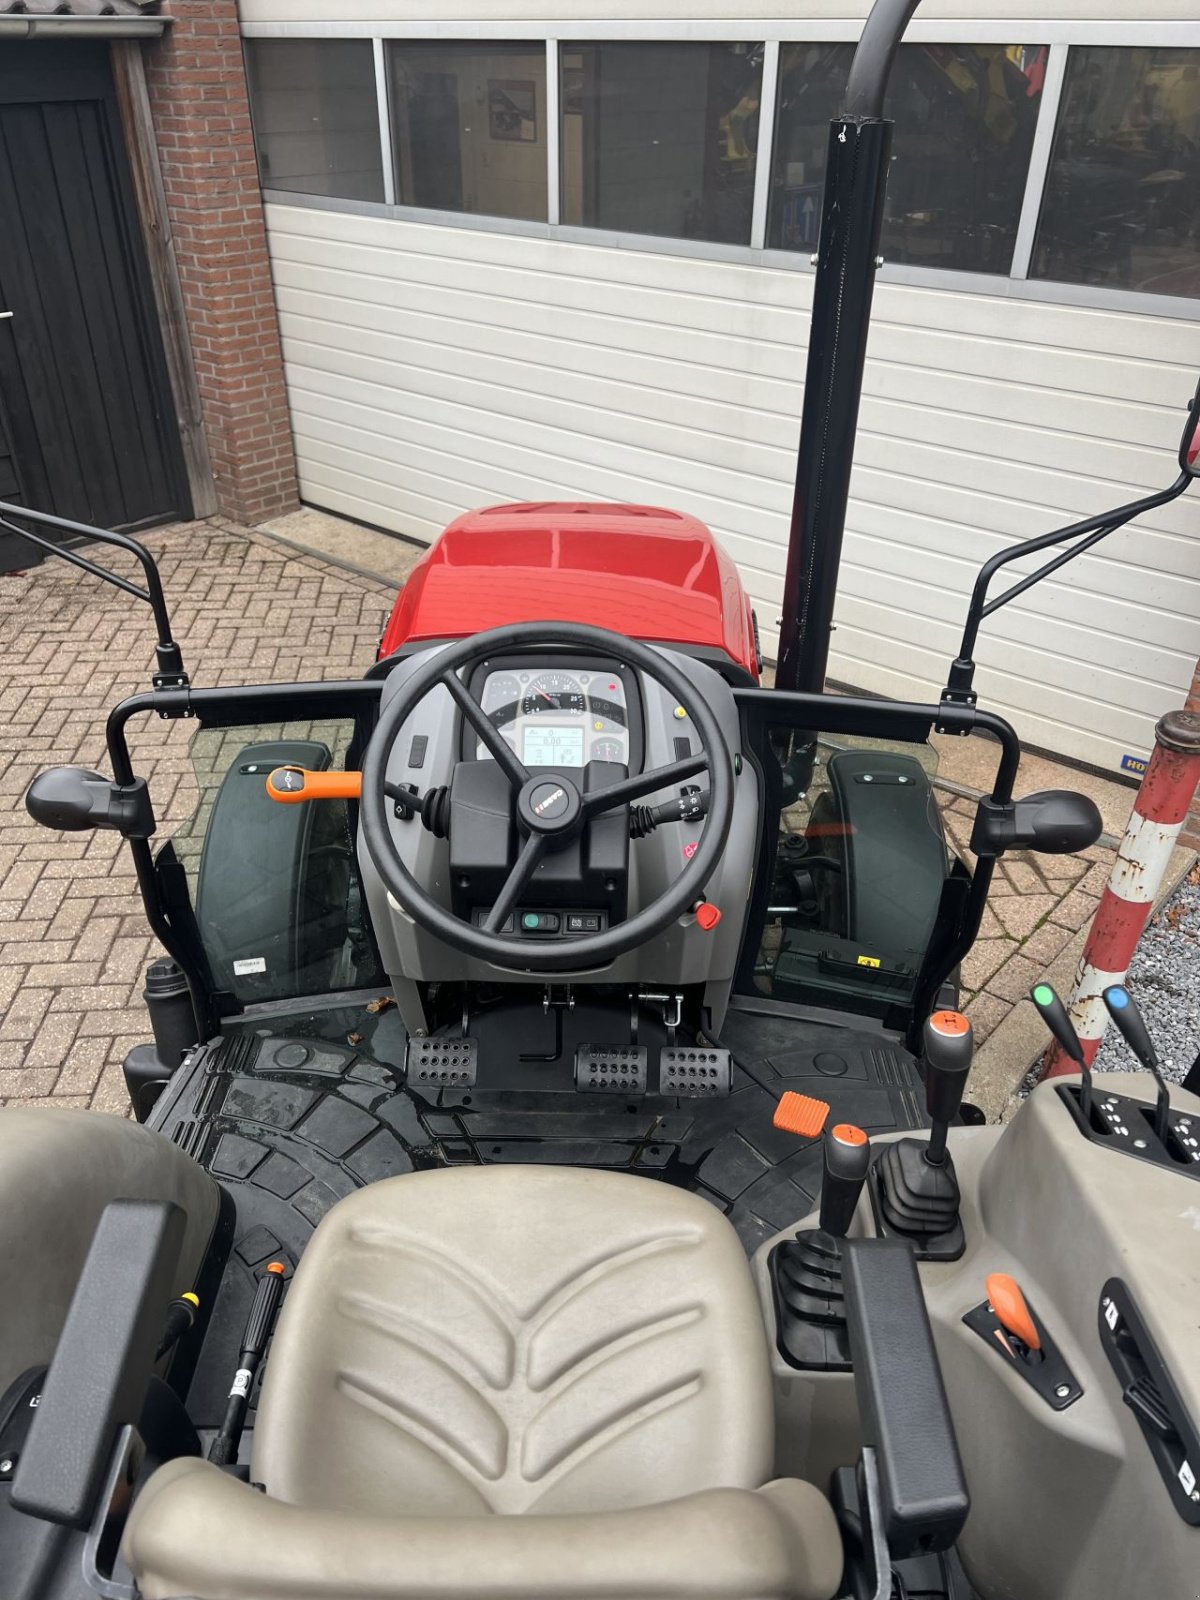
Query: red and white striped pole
1155	824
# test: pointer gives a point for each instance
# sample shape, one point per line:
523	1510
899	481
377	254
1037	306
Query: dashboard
556	715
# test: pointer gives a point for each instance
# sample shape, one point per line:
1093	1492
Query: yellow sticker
869	961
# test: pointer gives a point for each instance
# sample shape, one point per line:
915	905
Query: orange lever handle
1007	1301
290	785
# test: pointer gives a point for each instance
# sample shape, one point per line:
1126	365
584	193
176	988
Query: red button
707	916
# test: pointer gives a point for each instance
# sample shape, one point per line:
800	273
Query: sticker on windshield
243	969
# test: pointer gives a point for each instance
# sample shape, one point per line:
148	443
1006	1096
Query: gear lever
914	1187
847	1157
949	1046
1054	1015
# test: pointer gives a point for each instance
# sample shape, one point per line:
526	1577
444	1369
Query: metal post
847	258
1159	813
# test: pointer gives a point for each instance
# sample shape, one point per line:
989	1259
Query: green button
530	921
1044	995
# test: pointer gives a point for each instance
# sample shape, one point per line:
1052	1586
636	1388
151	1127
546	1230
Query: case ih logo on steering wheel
550	802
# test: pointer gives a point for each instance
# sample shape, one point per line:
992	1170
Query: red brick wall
201	113
1191	828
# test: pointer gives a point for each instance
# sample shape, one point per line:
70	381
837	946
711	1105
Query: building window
1122	200
661	139
469	127
965	117
316	118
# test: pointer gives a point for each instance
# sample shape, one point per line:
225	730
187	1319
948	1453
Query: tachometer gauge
553	691
606	750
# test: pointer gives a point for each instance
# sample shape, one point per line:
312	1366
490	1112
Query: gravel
1164	979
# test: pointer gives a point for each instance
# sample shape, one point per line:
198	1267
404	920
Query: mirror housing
1053	822
74	799
1189	445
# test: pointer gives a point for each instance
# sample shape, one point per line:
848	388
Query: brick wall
201	115
1191	828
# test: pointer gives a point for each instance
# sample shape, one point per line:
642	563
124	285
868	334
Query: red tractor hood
655	575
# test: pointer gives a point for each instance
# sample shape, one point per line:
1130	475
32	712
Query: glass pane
660	138
1122	204
469	127
860	861
275	889
316	118
965	118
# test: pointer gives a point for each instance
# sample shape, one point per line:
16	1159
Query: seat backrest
516	1339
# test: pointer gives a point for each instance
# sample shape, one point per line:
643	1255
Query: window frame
1059	35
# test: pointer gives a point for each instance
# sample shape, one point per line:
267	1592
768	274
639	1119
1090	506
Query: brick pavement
73	940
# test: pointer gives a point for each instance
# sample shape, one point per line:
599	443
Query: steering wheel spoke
531	854
596	801
489	736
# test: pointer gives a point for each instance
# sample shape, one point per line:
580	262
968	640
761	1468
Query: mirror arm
170	673
960	680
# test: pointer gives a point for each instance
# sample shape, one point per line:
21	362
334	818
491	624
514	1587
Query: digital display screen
552	747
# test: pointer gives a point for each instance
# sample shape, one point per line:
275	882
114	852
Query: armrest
103	1361
901	1397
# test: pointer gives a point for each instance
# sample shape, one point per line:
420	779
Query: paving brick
1014	979
1075	910
985	957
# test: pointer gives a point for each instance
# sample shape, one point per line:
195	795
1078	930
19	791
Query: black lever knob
847	1157
1056	1017
1129	1019
949	1046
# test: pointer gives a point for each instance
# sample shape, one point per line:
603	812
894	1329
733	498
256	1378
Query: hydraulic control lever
1129	1020
224	1449
1054	1015
847	1155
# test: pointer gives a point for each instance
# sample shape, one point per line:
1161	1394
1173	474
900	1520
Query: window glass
855	860
1122	202
469	127
316	117
660	138
275	889
965	118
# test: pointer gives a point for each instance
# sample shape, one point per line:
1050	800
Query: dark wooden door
87	425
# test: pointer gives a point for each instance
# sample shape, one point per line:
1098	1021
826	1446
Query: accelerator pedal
686	1070
442	1063
603	1068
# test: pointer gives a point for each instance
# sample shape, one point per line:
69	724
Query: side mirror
1189	445
73	799
1055	822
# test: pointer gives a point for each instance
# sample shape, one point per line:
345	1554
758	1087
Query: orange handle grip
1007	1301
290	785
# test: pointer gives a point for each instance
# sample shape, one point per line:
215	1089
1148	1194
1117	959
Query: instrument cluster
559	716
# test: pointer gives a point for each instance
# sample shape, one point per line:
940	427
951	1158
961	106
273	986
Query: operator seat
526	1382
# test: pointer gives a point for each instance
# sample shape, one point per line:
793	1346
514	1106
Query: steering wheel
550	809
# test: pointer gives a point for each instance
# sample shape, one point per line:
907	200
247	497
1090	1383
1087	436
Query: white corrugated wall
436	368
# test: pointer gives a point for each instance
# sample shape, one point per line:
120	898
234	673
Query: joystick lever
847	1156
1013	1315
1054	1015
1129	1019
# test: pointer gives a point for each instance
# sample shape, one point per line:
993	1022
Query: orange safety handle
290	785
1007	1301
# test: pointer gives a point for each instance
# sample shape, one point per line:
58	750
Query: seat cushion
511	1339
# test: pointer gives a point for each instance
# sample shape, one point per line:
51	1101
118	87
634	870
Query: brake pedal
443	1063
684	1070
621	1068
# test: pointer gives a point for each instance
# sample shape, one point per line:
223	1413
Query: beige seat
523	1381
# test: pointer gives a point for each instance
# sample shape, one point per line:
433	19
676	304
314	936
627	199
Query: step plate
611	1068
684	1070
442	1062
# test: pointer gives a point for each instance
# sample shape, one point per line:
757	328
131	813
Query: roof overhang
67	27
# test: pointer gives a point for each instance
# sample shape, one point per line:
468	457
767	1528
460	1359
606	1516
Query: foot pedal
442	1062
617	1067
683	1070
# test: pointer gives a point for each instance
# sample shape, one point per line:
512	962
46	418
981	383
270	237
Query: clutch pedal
684	1070
621	1068
442	1062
